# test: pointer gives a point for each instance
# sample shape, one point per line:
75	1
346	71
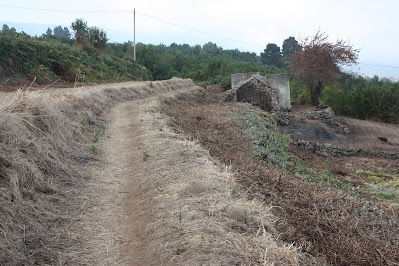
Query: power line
162	20
121	11
378	65
202	32
67	11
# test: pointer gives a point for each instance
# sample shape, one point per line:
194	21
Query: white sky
367	24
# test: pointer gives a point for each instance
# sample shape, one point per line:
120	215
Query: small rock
322	153
231	96
383	139
237	212
283	119
256	220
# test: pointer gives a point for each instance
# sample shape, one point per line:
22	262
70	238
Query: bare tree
318	62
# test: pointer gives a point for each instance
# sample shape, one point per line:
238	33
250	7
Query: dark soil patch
313	132
323	221
380	137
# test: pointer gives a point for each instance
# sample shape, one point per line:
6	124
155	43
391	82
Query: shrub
48	60
374	101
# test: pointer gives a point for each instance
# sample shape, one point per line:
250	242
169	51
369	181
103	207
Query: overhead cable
158	19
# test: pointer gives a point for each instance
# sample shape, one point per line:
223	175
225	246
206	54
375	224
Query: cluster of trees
316	76
47	59
207	64
273	56
6	30
363	98
314	65
83	35
59	32
318	62
89	35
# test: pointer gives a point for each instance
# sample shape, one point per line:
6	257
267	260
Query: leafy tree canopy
212	49
272	56
97	37
81	31
5	28
89	35
290	46
60	32
8	30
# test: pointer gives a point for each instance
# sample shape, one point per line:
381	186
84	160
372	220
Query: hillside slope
22	58
343	211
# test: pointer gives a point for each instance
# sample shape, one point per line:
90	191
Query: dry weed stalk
43	151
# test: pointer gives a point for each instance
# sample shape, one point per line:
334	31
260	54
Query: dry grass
44	146
196	230
176	198
326	223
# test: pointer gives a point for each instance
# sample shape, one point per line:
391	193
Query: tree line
79	56
313	63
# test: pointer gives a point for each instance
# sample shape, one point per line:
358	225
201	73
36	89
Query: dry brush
44	146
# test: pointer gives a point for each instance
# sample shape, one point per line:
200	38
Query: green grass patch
271	146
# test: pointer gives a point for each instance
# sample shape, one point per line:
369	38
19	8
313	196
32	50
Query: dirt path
157	199
114	183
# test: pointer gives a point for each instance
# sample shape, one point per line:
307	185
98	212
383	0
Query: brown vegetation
318	62
325	222
46	138
162	201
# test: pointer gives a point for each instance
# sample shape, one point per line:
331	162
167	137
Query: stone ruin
268	92
254	91
329	150
326	114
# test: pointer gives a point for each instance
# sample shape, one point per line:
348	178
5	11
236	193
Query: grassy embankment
22	58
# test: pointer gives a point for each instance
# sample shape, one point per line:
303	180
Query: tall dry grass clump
45	140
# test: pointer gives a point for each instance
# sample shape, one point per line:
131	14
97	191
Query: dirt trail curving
156	198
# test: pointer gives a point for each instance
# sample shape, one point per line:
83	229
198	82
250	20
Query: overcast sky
368	24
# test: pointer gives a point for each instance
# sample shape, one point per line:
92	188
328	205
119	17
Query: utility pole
134	33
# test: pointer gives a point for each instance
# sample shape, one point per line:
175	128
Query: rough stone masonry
257	93
278	82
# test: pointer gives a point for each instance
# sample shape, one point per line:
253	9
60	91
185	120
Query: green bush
208	64
48	60
376	101
356	97
299	92
334	97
